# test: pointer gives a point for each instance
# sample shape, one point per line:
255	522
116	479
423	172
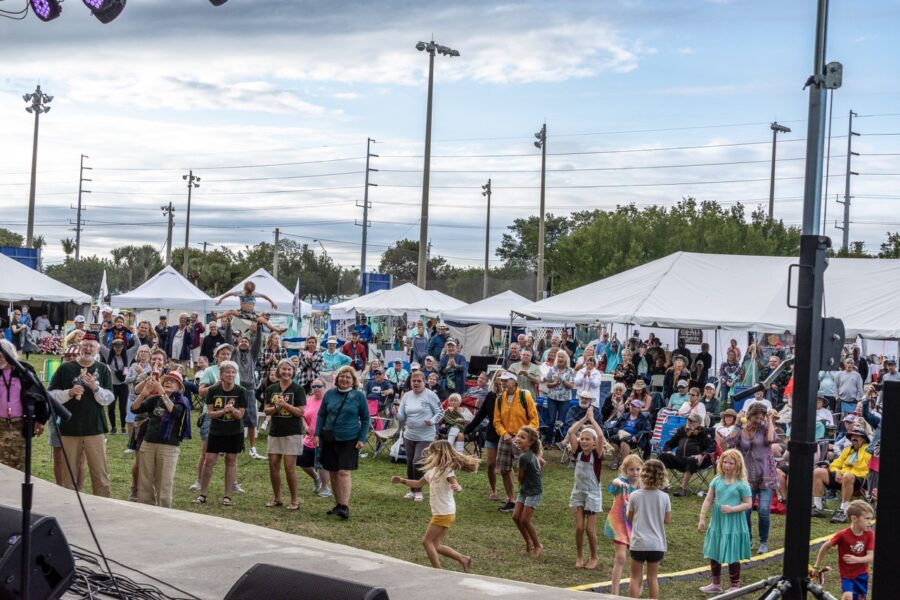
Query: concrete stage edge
205	555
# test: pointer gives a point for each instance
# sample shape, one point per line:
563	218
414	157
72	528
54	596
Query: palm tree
38	242
68	246
147	259
126	254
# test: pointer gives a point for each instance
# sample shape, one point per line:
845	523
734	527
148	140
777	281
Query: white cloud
687	50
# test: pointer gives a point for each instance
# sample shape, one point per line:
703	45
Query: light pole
776	129
192	182
39	101
487	235
431	48
541	143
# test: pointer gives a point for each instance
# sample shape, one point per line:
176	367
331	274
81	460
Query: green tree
68	247
891	247
857	250
10	238
85	274
402	261
519	248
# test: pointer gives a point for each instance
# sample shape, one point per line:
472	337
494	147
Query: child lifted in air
248	307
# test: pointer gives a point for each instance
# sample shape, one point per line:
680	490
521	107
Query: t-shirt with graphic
848	542
218	398
440	495
284	422
88	415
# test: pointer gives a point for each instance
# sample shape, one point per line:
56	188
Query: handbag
327	435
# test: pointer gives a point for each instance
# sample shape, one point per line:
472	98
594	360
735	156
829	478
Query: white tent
271	287
168	289
24	284
490	311
396	302
717	291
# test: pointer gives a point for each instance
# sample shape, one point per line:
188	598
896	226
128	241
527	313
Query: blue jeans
556	411
765	504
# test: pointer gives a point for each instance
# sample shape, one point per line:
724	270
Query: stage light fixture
105	10
217	2
46	10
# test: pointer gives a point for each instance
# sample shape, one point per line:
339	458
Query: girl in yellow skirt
439	465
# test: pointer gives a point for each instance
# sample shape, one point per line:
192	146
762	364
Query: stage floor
205	555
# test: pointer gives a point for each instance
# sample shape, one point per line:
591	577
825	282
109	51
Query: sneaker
236	488
317	485
818	512
839	516
195	487
264	426
128	451
763	548
113	431
712	588
679	492
507	507
409	495
334	510
343	512
418	497
254	454
324	493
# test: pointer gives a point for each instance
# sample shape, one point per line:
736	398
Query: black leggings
120	391
414	451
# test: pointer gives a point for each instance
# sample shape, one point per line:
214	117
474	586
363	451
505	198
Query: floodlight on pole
776	129
39	101
431	48
105	11
46	10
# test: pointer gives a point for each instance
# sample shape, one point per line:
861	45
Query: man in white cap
79	326
437	341
332	361
513	410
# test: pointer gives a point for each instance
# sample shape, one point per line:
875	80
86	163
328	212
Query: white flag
297	304
104	289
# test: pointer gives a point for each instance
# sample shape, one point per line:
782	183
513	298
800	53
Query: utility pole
850	154
205	244
366	205
39	101
776	129
81	190
275	257
542	144
487	236
192	182
170	212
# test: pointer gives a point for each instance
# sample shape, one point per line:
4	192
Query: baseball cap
694	417
637	403
681	383
710	385
507	376
585	394
79	319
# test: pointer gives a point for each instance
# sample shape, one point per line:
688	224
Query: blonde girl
586	439
649	510
618	526
728	536
531	488
439	465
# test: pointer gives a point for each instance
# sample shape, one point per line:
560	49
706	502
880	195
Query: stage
205	555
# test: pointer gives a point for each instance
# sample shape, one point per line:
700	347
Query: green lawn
383	522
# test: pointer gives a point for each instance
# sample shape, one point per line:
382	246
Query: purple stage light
46	10
105	10
96	4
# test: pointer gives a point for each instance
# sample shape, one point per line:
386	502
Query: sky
271	102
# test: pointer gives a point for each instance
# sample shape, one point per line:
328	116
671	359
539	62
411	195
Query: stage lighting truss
105	10
45	10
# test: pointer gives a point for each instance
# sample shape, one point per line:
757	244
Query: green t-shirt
284	422
525	383
156	409
88	415
216	399
531	484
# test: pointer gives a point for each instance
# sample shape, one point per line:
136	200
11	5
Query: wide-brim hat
640	384
728	413
176	377
860	431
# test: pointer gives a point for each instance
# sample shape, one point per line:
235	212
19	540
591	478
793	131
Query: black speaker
52	564
278	583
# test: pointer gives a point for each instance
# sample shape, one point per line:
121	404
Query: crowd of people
600	401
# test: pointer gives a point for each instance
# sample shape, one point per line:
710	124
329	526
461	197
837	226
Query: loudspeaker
278	583
52	564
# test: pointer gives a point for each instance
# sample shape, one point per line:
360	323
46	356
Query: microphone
762	386
27	376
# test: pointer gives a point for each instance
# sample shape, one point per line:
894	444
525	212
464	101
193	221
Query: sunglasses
694	394
317	386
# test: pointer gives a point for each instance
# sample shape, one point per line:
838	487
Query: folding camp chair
378	440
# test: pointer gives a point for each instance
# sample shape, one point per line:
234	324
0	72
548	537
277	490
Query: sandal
201	499
493	497
293	506
274	503
226	501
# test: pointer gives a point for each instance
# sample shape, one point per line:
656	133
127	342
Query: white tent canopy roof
23	284
731	292
271	287
168	289
396	302
494	311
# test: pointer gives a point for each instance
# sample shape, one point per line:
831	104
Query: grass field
383	522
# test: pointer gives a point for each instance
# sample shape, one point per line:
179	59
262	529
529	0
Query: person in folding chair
633	429
690	449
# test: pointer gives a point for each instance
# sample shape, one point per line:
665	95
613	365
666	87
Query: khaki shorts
290	445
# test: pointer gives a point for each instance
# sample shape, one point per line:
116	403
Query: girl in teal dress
728	537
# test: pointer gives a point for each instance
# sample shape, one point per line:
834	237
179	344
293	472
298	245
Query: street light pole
39	101
487	236
192	182
542	144
776	129
432	48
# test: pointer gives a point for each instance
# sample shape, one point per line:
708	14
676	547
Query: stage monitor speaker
278	583
52	564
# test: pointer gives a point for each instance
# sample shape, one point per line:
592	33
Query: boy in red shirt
856	549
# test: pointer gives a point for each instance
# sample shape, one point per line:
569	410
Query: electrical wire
92	582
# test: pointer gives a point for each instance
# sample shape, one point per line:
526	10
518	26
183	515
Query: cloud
687	50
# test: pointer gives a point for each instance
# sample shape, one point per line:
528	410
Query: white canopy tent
169	290
396	302
24	284
271	287
739	293
490	311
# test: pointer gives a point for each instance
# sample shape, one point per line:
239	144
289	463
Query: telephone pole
192	182
366	205
170	212
776	129
487	236
81	191
542	144
850	154
275	257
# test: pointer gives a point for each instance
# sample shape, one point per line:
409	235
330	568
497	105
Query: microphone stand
762	386
31	388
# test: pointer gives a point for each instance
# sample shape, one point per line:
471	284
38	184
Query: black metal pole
887	581
27	495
